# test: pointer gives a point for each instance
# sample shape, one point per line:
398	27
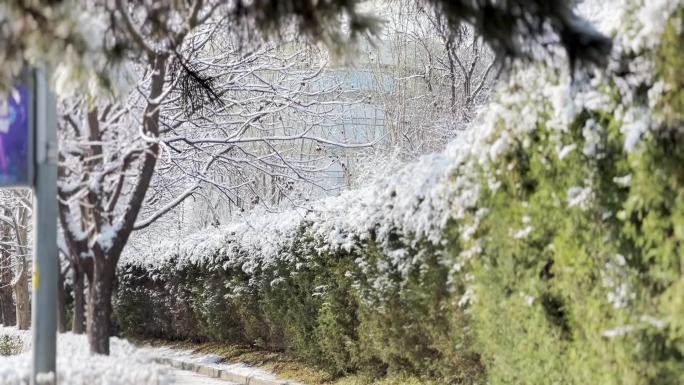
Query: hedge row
323	307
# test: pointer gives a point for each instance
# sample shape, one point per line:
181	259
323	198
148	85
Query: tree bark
100	305
61	304
21	283
21	293
7	306
78	323
105	259
9	315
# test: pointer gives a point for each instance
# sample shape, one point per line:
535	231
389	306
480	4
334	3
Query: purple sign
15	138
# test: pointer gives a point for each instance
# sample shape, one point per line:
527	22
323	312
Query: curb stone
223	374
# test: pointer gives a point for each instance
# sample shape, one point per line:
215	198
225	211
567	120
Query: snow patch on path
211	360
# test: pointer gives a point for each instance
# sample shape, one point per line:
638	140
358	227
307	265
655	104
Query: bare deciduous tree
7	244
15	222
427	79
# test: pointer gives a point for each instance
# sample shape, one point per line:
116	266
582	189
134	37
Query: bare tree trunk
7	309
21	293
79	302
61	308
9	315
21	282
100	306
452	76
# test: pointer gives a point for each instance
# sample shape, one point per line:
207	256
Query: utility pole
45	261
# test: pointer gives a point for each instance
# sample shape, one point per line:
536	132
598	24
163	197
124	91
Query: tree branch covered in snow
85	41
418	200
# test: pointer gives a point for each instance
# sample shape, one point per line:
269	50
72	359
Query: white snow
107	235
523	233
637	123
126	365
623	181
645	322
567	150
618	331
579	196
416	201
615	278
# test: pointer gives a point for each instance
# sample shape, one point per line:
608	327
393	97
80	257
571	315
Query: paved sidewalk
201	369
184	377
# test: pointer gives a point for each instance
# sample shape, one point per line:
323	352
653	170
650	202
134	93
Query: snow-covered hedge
545	245
126	365
284	280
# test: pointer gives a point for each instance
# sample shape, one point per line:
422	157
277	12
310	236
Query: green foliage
410	318
10	345
670	61
593	293
320	306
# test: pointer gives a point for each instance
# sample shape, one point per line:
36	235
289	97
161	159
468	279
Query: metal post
45	261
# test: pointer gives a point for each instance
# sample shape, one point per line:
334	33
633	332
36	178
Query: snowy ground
127	365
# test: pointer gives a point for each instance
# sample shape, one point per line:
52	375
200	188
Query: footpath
192	369
184	377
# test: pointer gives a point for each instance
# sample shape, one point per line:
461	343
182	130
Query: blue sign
15	138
